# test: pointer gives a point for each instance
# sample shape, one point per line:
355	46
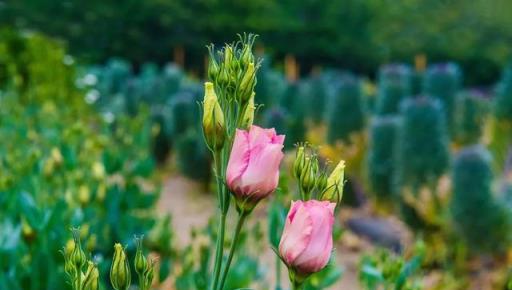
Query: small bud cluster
229	95
314	182
75	261
120	277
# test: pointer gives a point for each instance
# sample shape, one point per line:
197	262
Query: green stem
219	251
234	243
297	286
278	273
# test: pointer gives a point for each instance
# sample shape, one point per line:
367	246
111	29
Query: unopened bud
78	257
91	277
141	263
247	83
308	176
213	68
321	182
213	119
247	56
335	182
248	117
299	162
120	276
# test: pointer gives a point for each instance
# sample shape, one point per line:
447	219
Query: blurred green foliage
358	35
64	165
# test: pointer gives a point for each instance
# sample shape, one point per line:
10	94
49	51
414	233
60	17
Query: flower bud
247	57
120	277
308	176
213	68
213	119
248	117
247	83
335	182
149	275
228	56
299	162
78	258
141	263
321	182
91	277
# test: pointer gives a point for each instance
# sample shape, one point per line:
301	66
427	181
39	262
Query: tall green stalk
234	243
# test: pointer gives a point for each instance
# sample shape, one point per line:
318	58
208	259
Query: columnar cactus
503	99
394	86
443	81
346	114
317	98
293	102
423	142
472	180
381	156
472	109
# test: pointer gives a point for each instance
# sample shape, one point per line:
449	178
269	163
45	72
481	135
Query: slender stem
219	251
234	243
297	286
278	273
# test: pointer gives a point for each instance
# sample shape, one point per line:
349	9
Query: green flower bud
299	162
321	182
78	258
335	182
308	176
91	277
213	119
149	275
248	117
120	277
228	56
247	83
213	68
141	263
247	57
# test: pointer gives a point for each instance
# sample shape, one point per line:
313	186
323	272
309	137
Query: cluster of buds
75	261
314	182
229	94
120	277
145	269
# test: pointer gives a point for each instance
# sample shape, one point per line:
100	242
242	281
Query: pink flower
306	243
253	167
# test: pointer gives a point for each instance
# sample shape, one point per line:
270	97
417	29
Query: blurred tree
358	35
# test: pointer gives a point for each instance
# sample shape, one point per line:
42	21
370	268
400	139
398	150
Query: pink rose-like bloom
253	167
306	243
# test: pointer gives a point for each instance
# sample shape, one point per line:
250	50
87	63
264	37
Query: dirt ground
190	207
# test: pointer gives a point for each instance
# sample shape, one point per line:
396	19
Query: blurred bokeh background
99	122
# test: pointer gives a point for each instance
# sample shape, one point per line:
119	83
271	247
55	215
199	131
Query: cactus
184	112
443	81
316	99
472	109
192	156
345	114
277	118
394	86
423	142
472	180
501	142
423	154
381	156
294	104
271	86
503	99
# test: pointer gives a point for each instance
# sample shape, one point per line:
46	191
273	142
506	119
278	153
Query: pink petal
296	234
262	174
239	157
